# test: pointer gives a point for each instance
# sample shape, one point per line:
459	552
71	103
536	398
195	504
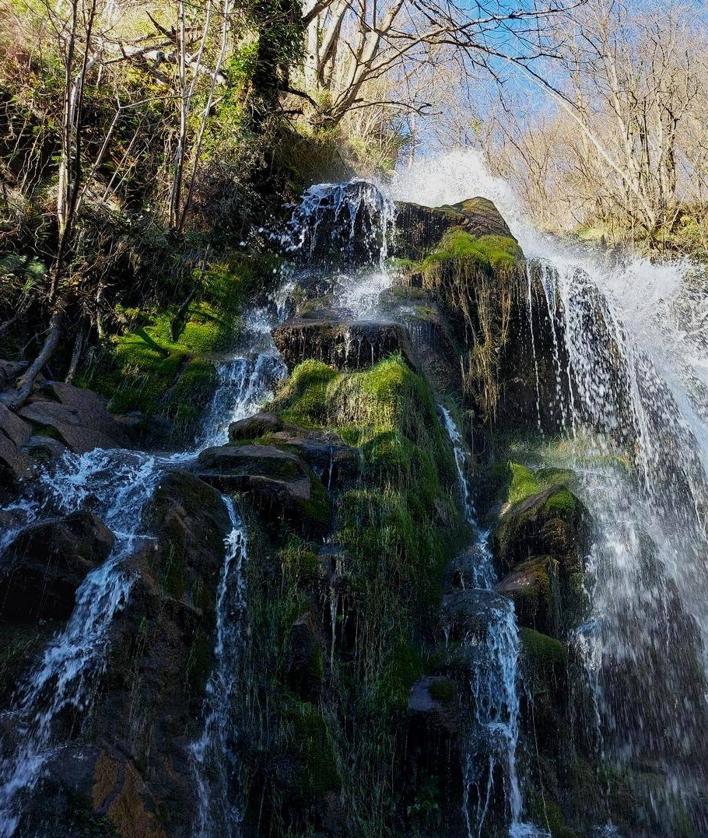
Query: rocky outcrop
46	563
79	418
420	228
253	427
130	772
279	485
551	522
346	345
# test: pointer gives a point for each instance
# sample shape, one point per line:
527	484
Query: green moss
401	671
298	561
543	651
304	402
162	367
487	252
562	501
513	482
312	744
318	508
523	483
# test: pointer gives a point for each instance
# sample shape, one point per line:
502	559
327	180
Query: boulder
278	484
230	465
552	522
44	448
15	466
468	614
420	228
344	344
78	417
333	461
254	426
45	564
14	428
190	519
534	588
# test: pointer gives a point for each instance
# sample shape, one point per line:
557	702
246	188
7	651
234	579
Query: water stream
118	484
629	344
493	736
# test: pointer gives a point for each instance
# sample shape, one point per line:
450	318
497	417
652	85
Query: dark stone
534	587
131	771
79	418
467	615
303	660
15	466
277	484
44	448
332	460
46	563
553	522
420	228
434	751
13	427
190	520
343	344
229	465
254	426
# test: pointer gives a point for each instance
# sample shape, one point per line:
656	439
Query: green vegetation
394	533
488	253
163	363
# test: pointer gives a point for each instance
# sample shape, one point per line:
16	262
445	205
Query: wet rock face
130	771
46	563
419	228
552	522
278	484
346	345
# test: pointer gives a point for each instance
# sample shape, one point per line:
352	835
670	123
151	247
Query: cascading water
119	484
494	679
628	344
215	762
341	236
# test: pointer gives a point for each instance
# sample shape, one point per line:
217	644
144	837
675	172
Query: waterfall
628	343
119	484
341	223
494	679
215	762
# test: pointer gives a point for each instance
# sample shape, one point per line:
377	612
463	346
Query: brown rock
13	427
46	563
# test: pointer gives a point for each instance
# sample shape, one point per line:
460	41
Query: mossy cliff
160	363
340	628
354	709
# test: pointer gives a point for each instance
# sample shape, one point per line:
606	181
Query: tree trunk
49	346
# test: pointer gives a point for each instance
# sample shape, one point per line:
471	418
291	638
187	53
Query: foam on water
630	357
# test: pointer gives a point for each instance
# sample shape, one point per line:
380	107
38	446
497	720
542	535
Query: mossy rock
535	589
551	522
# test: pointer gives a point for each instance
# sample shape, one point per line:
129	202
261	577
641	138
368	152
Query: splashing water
494	679
215	762
117	484
342	222
629	344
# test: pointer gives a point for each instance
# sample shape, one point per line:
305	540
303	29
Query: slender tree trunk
26	382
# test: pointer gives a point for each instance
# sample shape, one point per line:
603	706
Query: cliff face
400	559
